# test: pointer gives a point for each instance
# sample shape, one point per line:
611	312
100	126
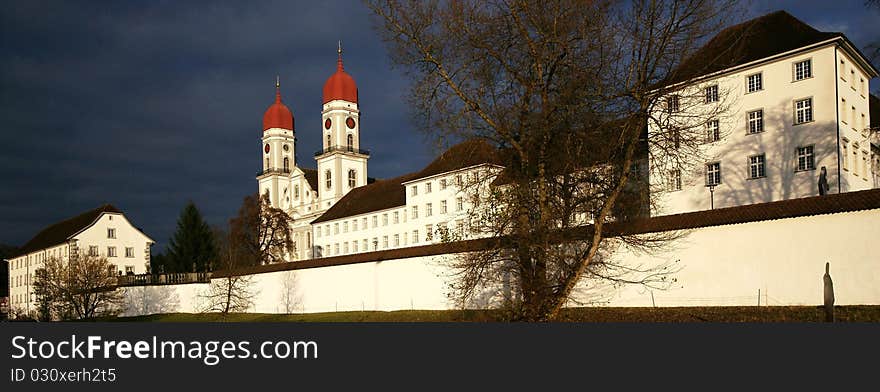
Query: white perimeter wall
721	265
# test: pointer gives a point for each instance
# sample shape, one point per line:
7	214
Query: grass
868	313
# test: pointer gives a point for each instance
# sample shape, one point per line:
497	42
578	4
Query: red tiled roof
58	233
817	205
390	193
759	38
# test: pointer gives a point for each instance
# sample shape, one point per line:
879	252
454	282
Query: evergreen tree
192	247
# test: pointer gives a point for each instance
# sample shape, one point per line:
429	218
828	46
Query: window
712	94
803	111
296	191
805	160
429	233
862	86
286	164
129	252
384	219
111	233
364	243
712	132
354	225
345	227
754	83
350	142
864	165
674	180
415	212
855	158
396	217
336	248
414	190
428	187
428	209
676	138
713	174
375	243
458	180
384	242
93	250
354	246
842	70
803	70
328	141
415	236
329	179
843	110
845	157
364	223
345	247
853	113
443	206
352	178
336	228
397	240
375	221
129	270
111	251
326	230
672	104
318	233
459	203
442	184
756	166
852	78
864	125
756	121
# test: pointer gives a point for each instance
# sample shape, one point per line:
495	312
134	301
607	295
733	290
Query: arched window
329	178
328	140
296	192
350	142
352	178
286	164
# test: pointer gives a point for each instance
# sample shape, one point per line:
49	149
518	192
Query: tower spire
339	53
277	89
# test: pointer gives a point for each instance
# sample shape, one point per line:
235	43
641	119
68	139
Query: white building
793	100
103	231
336	208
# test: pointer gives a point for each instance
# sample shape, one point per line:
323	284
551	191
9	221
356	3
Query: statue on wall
823	182
829	295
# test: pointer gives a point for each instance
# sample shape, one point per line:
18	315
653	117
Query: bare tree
289	299
566	89
261	233
146	300
82	288
232	292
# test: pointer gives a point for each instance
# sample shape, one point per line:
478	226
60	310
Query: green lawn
595	314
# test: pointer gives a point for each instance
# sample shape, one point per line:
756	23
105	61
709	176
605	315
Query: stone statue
823	182
829	295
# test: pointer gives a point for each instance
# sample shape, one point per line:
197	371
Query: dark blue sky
148	105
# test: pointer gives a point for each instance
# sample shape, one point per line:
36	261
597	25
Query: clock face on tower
266	148
327	123
349	122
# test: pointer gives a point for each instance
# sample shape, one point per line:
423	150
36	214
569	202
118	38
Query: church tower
342	164
278	152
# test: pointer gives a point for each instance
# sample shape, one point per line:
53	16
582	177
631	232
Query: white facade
436	206
110	235
809	111
726	265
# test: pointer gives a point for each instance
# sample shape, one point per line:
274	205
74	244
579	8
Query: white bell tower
278	152
342	164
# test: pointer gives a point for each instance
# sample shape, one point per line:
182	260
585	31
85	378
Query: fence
164	279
